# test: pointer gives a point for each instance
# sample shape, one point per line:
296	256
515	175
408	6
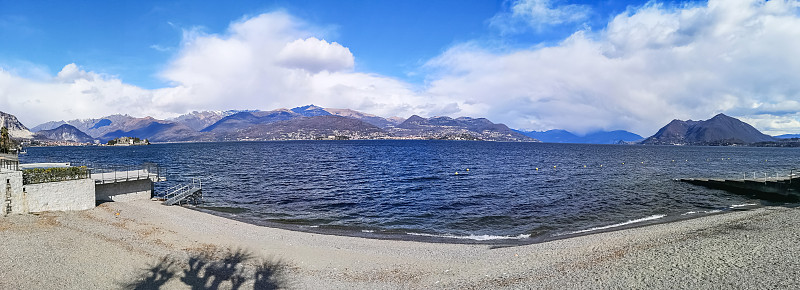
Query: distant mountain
600	137
305	128
157	131
65	132
48	126
244	120
311	111
719	130
553	136
99	127
372	119
788	136
306	122
200	120
460	128
15	128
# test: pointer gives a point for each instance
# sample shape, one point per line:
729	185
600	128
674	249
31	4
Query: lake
447	190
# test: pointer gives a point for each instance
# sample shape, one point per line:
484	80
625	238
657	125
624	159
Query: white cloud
71	73
650	65
775	125
71	94
265	62
275	60
538	14
315	55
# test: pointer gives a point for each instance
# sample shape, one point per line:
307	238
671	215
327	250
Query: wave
644	219
472	237
743	205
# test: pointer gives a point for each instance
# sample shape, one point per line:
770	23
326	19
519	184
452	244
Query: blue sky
532	64
135	39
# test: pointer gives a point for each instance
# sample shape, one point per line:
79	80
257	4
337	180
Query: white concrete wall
56	196
14	179
124	191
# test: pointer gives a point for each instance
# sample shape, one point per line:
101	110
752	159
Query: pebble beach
145	245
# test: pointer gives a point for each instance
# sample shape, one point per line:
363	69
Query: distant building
128	141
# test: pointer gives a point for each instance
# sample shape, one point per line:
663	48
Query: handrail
181	191
115	173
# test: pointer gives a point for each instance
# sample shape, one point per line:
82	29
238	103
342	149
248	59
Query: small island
128	141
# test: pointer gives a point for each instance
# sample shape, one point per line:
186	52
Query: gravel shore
144	245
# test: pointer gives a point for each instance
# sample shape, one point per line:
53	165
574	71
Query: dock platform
123	176
785	188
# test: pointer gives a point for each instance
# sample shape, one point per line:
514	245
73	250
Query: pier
776	188
123	183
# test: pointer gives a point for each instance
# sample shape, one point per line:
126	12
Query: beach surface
145	245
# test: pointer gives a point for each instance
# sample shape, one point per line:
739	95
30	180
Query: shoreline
492	240
122	245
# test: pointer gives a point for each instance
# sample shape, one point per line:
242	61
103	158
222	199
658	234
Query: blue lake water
410	189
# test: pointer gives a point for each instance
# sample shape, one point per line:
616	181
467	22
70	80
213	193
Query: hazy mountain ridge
157	131
100	126
305	128
788	136
65	132
369	118
460	128
719	130
313	122
599	137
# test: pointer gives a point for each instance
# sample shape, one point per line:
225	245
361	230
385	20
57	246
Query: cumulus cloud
648	66
264	62
71	73
315	55
539	14
72	93
275	60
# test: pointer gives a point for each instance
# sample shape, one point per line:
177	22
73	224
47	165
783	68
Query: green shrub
54	174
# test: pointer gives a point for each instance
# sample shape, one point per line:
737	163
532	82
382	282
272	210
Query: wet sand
146	245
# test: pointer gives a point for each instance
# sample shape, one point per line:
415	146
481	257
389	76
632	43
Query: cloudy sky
582	66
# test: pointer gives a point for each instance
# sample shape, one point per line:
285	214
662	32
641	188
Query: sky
582	66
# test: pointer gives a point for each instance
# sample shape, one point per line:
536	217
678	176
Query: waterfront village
121	141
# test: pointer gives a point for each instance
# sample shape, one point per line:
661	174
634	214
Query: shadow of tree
213	271
155	276
269	275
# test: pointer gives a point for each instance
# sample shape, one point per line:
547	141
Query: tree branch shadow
215	270
155	276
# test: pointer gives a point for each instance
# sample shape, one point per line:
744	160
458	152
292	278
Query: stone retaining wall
51	196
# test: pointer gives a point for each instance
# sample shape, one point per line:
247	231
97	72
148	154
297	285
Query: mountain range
301	123
600	137
788	136
313	122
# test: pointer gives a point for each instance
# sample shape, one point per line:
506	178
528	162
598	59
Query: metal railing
103	174
767	176
181	191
